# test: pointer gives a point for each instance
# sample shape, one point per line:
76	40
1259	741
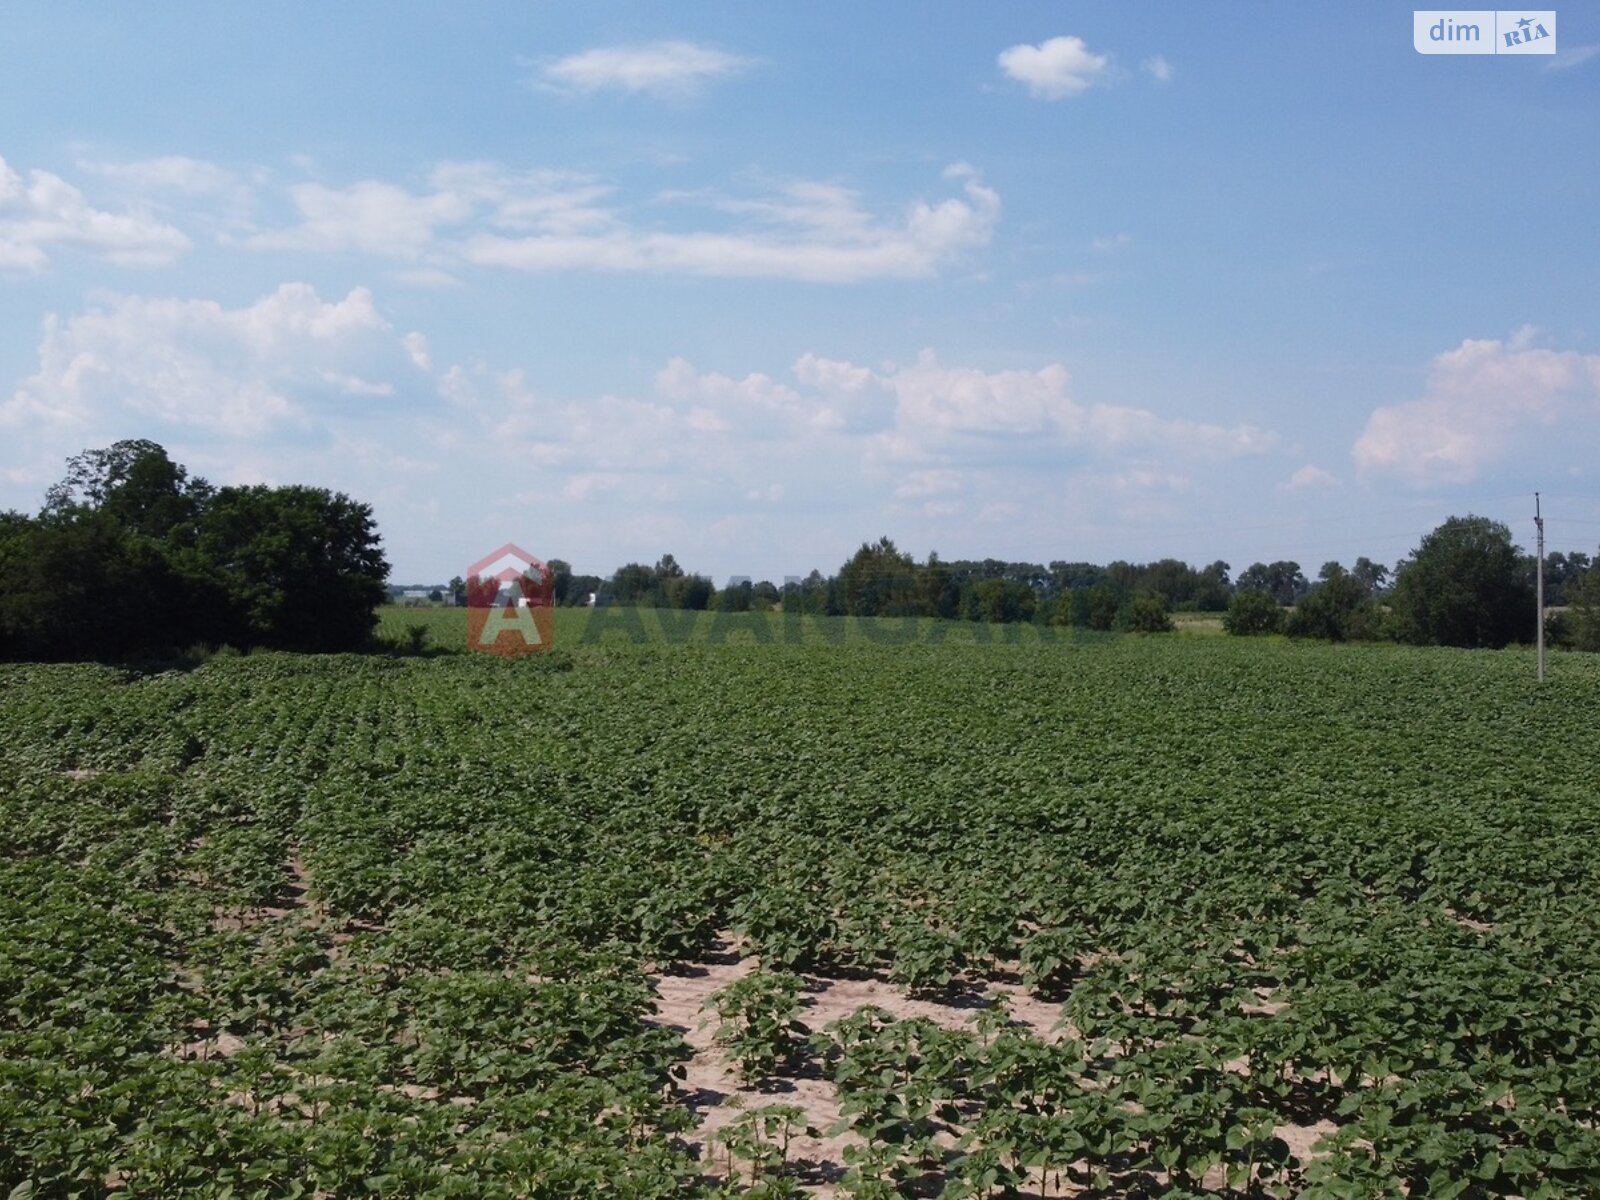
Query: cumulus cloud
1478	399
44	211
365	218
196	365
505	415
354	385
935	403
933	399
756	404
1056	68
930	410
1309	478
1144	478
830	375
669	69
932	437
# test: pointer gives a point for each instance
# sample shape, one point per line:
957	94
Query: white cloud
45	210
808	232
936	406
417	348
195	365
365	218
830	375
170	173
784	458
484	214
705	420
354	385
1158	68
933	399
1056	68
1111	243
1309	478
671	68
504	416
1575	57
1113	426
757	404
537	201
1479	399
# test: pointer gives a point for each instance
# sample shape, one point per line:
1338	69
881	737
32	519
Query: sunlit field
851	915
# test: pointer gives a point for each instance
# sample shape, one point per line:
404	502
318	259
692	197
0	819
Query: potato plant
391	925
758	1023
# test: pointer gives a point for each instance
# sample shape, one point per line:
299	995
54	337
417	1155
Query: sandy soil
715	1094
712	1085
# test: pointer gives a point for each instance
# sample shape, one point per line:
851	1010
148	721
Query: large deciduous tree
1467	584
1282	580
133	484
879	581
131	556
300	567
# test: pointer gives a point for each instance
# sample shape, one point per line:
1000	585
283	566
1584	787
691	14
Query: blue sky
751	284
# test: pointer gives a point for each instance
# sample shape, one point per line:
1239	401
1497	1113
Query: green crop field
1139	916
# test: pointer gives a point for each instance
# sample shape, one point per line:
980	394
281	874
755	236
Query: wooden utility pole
1538	523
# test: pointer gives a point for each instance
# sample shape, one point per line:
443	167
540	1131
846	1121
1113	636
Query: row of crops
346	926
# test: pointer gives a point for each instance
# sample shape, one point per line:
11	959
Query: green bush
1148	614
1336	610
1251	614
1583	617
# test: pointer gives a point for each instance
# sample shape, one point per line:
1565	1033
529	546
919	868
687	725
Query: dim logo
1483	31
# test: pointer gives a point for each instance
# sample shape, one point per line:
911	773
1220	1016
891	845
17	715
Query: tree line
131	555
1467	584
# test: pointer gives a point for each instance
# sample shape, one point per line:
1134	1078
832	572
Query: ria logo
1528	30
1483	31
510	603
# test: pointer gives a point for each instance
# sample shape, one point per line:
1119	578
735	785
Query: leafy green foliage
1251	614
1337	609
345	925
759	1022
760	1138
1584	614
1147	613
1465	585
132	557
